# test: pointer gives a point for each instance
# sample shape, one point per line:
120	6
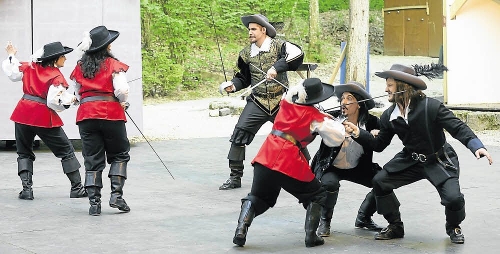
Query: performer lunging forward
281	164
419	122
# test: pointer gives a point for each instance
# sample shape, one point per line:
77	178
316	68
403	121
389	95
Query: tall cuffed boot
118	175
77	189
311	225
234	180
93	186
365	213
327	213
71	168
25	172
388	206
247	214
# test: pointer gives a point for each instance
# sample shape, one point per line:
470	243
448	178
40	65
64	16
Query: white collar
265	47
397	113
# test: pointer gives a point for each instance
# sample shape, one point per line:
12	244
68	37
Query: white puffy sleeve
121	86
331	131
10	67
59	99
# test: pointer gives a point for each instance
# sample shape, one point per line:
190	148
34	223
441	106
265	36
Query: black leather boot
234	180
93	186
365	213
94	194
395	229
327	213
77	189
455	233
71	168
26	180
118	175
247	214
311	225
25	172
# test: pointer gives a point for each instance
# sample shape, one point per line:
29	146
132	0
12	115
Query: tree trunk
314	45
357	42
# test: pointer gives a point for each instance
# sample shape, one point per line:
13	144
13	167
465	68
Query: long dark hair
363	110
411	95
91	62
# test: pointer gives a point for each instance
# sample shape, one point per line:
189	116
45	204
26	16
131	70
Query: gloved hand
224	85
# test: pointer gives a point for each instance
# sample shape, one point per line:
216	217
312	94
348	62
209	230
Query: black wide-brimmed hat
405	74
101	37
316	91
53	50
357	88
261	20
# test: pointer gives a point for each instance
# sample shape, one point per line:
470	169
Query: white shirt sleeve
77	90
10	67
332	132
121	86
58	97
292	51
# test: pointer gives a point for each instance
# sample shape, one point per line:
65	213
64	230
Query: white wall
473	50
65	21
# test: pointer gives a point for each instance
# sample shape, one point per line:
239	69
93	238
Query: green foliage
183	41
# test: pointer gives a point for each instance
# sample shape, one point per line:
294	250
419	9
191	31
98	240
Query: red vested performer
280	163
101	83
45	93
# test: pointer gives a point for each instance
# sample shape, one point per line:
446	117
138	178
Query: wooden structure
31	24
413	27
472	34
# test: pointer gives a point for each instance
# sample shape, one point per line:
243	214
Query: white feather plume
36	55
86	42
298	90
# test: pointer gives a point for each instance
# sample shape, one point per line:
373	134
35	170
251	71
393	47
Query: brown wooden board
416	33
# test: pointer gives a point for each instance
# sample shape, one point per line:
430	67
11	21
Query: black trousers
449	191
361	175
268	183
54	138
101	140
252	117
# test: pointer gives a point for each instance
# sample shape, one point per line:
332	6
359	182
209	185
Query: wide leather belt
98	98
286	137
427	157
34	98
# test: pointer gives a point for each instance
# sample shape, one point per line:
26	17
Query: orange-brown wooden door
394	41
416	33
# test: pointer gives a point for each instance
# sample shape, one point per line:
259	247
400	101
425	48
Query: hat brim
403	76
340	89
111	37
328	91
270	30
58	54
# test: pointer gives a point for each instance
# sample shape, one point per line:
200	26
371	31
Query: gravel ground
190	119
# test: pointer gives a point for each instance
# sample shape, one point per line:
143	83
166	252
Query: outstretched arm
10	66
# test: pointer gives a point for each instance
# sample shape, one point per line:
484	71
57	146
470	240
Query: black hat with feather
410	74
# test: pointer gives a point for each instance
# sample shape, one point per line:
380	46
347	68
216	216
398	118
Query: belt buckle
419	157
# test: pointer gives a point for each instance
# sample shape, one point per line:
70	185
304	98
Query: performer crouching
281	164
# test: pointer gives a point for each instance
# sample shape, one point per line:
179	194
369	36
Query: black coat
423	135
325	155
